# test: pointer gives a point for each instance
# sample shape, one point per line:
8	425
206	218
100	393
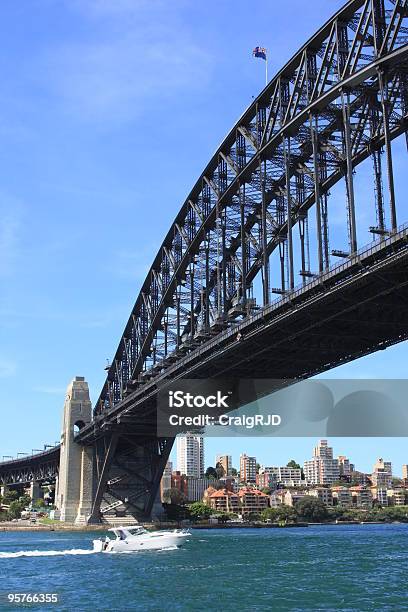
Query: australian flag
259	52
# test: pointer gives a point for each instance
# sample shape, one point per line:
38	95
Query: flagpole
266	68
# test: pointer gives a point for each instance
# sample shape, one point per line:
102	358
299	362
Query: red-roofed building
222	500
252	500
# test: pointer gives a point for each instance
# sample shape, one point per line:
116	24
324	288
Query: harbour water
354	567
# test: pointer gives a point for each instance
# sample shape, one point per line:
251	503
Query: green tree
199	511
234	472
292	464
9	496
253	517
15	509
219	470
226	516
269	514
25	500
311	509
175	512
211	473
174	496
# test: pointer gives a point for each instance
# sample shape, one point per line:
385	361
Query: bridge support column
75	482
35	491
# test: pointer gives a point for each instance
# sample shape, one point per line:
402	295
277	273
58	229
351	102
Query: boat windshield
136	531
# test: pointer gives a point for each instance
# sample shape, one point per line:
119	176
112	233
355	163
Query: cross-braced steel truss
257	221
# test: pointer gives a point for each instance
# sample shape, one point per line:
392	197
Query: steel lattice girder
286	151
40	467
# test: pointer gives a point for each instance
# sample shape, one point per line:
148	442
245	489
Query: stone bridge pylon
74	488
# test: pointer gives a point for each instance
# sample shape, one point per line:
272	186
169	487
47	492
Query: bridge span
248	281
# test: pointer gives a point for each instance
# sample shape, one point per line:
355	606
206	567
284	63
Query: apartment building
341	497
190	455
225	461
361	497
322	469
197	486
247	468
323	494
222	500
252	500
291	497
270	477
382	474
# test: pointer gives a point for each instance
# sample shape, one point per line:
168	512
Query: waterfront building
341	496
247	468
190	455
277	498
382	474
361	497
324	494
291	497
322	469
397	497
165	483
222	500
380	495
226	463
252	500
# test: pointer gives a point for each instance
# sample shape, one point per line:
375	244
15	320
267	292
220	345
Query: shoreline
12	527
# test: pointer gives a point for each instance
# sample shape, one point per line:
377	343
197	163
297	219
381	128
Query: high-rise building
247	468
226	463
322	469
382	474
405	472
190	455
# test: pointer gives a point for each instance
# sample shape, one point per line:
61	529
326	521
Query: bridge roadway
41	467
356	308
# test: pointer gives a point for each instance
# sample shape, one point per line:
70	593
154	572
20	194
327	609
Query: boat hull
152	541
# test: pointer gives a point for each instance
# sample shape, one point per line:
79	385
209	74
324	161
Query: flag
259	52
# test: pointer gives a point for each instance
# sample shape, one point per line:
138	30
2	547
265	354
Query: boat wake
72	551
45	553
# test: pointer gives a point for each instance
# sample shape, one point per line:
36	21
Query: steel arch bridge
248	280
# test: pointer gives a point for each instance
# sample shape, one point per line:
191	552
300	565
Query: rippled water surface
362	567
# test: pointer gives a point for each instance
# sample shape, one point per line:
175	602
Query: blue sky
109	110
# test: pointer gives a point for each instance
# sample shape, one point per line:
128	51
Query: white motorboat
137	538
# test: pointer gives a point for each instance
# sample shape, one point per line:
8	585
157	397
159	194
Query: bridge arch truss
261	208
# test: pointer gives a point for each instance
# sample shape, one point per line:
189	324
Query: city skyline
369	465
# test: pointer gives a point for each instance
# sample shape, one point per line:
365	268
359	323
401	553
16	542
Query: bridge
247	282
